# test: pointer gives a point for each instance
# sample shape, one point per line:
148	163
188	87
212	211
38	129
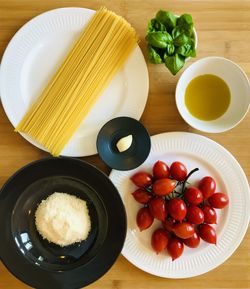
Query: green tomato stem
187	177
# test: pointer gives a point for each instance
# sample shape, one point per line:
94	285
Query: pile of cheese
63	219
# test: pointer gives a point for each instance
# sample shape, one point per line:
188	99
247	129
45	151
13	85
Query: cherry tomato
207	233
207	186
175	248
177	209
210	216
159	240
144	219
192	242
195	215
164	187
168	224
158	209
178	171
218	200
183	230
142	179
160	170
141	196
193	196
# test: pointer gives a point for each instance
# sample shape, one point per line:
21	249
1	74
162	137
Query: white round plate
35	53
212	159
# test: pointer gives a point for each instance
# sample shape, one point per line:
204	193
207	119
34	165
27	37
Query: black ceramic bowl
41	264
112	132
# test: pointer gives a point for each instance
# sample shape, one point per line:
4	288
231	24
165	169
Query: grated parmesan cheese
63	219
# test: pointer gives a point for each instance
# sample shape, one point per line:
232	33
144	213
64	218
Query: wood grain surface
223	30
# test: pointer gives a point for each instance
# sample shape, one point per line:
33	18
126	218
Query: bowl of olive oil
213	94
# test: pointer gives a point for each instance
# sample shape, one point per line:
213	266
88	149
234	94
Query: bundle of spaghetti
100	52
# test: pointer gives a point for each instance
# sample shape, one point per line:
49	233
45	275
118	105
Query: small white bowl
195	37
239	86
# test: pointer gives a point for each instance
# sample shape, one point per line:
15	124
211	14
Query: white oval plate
212	159
35	53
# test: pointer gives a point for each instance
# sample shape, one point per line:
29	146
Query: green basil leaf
154	57
193	51
159	26
154	25
174	63
176	32
184	50
187	49
159	39
185	22
151	27
166	18
170	49
181	40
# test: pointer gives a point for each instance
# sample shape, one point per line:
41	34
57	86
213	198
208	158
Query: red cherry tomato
144	219
207	186
158	209
141	196
210	216
207	233
142	179
164	187
195	215
193	196
183	230
178	171
218	200
192	242
177	209
175	248
159	240
168	224
160	170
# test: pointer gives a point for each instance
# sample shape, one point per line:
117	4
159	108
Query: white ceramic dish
34	54
212	159
237	82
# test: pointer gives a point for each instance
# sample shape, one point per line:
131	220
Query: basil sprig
170	40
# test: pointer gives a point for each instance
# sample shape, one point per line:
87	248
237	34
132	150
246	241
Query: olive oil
207	97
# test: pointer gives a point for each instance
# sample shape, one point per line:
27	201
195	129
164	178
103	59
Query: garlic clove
124	143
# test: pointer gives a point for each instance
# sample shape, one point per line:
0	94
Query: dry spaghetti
101	50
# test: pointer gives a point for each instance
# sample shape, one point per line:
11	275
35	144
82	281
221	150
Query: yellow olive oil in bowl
207	97
213	94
